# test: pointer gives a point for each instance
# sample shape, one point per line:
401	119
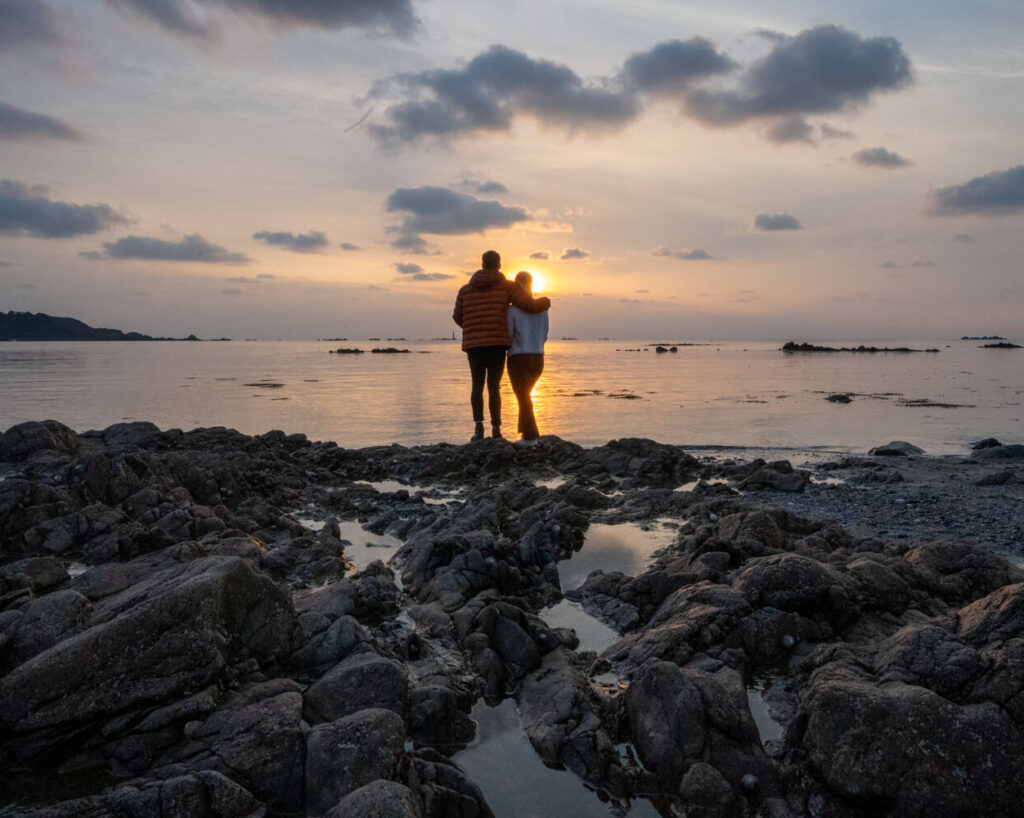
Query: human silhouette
527	334
481	309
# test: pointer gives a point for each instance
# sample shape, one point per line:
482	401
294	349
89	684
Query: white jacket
527	331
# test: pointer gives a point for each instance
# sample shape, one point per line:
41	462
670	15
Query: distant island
28	326
982	338
792	346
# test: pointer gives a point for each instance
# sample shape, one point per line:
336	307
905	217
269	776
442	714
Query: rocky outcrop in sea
189	628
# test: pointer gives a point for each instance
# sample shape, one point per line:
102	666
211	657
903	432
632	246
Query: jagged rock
379	799
897	448
361	680
344	755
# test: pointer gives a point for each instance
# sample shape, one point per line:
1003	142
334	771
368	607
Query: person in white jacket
527	333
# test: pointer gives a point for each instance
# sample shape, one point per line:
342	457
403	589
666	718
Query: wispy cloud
573	253
19	124
348	247
26	210
543	255
880	158
998	193
696	254
193	248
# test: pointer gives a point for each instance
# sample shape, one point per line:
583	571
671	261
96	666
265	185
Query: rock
705	792
998	478
37	574
360	681
344	755
910	748
897	448
25	439
987	443
840	397
379	799
1014	451
166	636
48	620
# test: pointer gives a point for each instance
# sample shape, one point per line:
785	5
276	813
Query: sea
703	395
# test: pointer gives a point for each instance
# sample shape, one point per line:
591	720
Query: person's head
491	260
524	280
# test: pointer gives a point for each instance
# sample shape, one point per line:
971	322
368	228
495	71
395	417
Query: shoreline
201	587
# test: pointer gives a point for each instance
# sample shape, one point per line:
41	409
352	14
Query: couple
490	329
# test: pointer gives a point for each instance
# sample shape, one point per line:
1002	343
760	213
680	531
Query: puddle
593	634
517	784
625	547
828	481
365	545
768	727
76	569
391	486
552	483
711	481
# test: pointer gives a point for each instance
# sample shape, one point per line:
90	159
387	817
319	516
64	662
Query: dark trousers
486	363
524	371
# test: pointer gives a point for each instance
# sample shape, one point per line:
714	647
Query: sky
762	169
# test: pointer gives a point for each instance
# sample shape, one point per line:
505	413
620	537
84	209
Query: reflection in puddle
365	546
391	486
625	547
593	634
711	481
76	569
828	481
768	727
517	784
552	483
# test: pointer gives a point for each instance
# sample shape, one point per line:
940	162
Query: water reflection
627	548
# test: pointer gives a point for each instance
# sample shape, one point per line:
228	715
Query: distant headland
28	326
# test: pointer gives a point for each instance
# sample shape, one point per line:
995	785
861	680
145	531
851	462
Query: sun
539	282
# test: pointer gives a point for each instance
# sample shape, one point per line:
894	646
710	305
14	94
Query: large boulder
362	680
25	439
160	639
379	799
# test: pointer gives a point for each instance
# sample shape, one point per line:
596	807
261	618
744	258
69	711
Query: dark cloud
573	253
408	269
818	71
831	132
995	194
441	211
25	210
670	68
489	92
25	23
964	238
541	254
880	158
180	17
17	123
776	221
190	248
349	247
793	128
312	242
697	254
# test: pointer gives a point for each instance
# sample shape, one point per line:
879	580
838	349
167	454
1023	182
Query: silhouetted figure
527	333
480	309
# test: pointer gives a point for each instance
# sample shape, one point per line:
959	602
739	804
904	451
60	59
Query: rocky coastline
194	624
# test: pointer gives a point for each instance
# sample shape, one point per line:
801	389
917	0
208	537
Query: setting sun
539	282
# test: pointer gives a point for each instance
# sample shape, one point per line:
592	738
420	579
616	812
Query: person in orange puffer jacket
481	309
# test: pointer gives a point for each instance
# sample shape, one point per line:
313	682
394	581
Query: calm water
735	393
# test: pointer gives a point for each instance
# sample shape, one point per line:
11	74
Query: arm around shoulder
527	303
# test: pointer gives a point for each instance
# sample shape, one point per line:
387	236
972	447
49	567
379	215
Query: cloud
818	71
348	247
964	238
891	265
192	248
25	210
6	264
244	280
880	158
181	18
17	123
441	211
830	132
697	254
429	277
489	92
312	242
232	291
793	128
27	22
776	221
923	262
998	193
266	275
573	253
544	255
641	292
488	187
670	68
408	269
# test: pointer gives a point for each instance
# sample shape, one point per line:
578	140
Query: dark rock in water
897	448
839	397
379	799
793	346
388	350
1002	345
661	349
25	439
1013	451
987	443
348	351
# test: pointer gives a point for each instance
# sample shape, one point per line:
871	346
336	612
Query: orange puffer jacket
482	304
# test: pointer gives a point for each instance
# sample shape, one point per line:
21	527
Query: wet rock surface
176	639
